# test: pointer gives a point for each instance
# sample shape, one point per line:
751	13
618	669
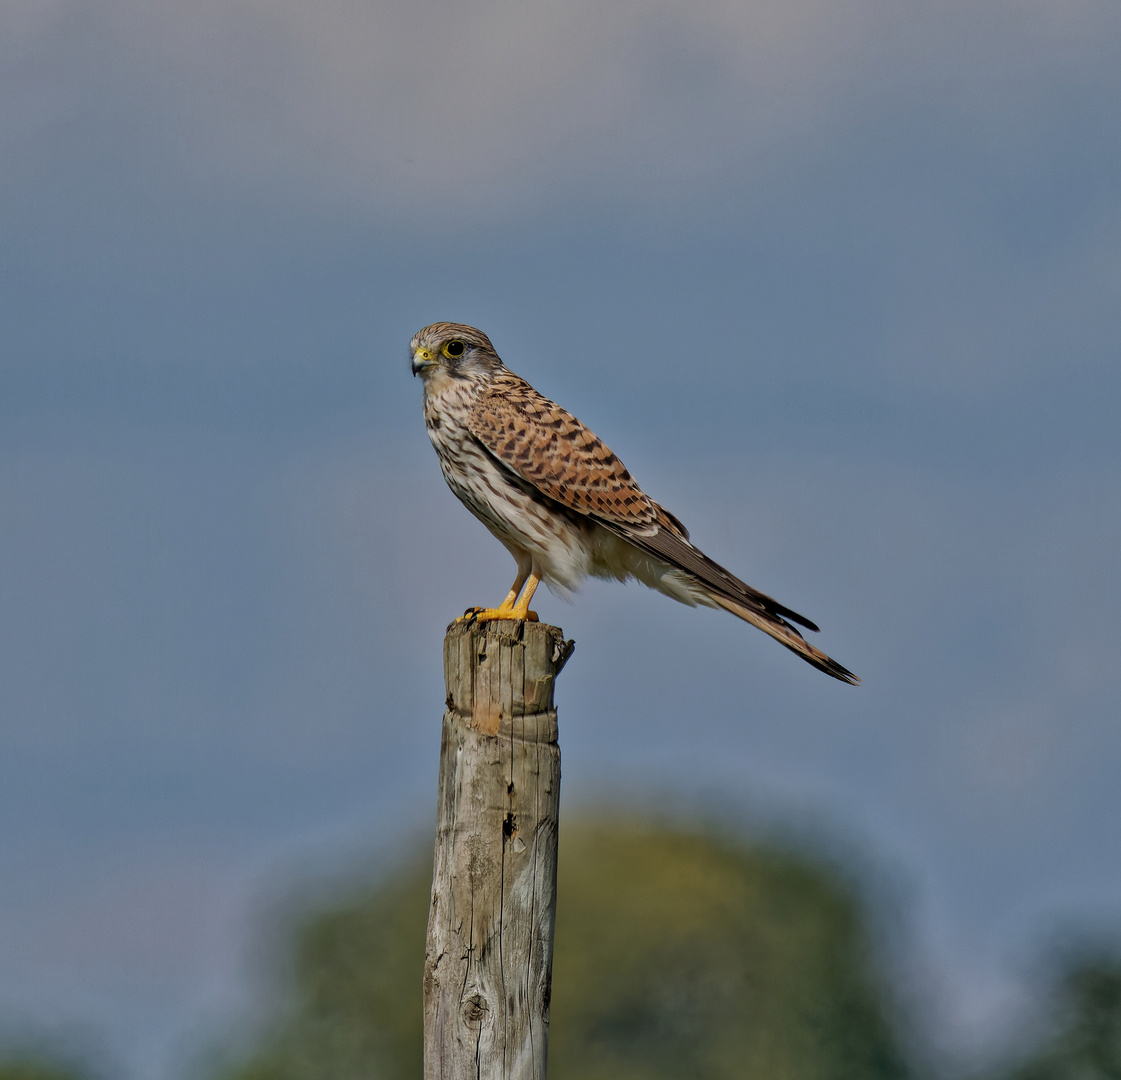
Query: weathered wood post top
488	962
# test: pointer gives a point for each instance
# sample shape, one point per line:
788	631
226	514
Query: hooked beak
422	360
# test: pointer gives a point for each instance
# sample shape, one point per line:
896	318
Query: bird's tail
786	635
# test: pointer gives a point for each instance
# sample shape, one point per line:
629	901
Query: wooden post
489	957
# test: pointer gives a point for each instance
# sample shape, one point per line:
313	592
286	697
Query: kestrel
559	500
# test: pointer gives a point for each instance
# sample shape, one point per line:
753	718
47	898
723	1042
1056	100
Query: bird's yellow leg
521	606
511	596
513	607
504	610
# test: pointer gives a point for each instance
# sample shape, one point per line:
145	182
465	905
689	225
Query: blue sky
839	280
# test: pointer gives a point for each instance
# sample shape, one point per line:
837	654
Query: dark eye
453	348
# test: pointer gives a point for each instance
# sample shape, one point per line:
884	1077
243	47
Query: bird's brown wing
549	448
546	447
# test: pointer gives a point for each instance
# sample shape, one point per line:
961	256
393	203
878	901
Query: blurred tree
1087	1043
21	1068
685	956
678	955
355	1009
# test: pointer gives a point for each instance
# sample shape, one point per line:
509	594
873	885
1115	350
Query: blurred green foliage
681	955
21	1068
355	1007
1087	1044
677	955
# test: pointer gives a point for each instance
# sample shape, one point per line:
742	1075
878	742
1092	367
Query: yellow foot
490	614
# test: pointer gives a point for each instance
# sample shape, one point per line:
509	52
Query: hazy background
840	280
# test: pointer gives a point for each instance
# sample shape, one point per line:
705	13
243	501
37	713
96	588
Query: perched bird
559	500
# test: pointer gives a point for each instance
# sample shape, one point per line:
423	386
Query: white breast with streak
523	521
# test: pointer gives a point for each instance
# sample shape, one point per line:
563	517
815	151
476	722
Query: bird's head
453	351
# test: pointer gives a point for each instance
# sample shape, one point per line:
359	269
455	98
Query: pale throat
437	382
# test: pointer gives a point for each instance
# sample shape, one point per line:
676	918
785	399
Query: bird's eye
454	348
